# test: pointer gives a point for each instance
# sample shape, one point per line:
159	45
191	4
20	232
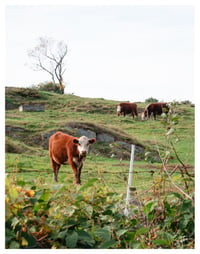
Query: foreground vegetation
92	216
42	214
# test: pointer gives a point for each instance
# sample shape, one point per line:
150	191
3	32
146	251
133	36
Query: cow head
83	144
144	115
118	110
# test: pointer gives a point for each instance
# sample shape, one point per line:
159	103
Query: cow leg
77	172
56	173
78	175
154	115
132	115
55	169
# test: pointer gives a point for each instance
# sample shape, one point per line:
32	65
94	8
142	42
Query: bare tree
48	56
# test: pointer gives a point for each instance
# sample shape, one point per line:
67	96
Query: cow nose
83	153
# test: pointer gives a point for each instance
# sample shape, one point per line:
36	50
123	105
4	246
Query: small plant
50	87
151	100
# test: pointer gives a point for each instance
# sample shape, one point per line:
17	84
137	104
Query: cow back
157	108
128	107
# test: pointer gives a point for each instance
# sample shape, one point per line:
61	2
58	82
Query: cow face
83	144
118	110
144	115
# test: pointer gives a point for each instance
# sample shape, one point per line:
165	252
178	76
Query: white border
196	4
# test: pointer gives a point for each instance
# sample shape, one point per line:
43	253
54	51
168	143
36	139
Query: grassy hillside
62	112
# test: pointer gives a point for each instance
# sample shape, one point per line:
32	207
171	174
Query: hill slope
28	132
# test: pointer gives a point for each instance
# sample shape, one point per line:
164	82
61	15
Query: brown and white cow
127	108
65	148
155	109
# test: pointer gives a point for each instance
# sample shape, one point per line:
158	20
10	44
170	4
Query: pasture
104	176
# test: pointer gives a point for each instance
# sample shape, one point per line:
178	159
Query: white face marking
118	108
83	145
142	116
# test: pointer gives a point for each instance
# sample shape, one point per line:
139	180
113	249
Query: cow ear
75	141
92	140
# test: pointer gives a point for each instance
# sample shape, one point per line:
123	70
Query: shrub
50	87
92	217
187	102
151	100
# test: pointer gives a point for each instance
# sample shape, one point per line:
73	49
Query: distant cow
65	148
127	108
155	109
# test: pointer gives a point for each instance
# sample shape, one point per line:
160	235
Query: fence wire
145	182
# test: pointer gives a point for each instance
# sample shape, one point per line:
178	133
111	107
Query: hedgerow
52	216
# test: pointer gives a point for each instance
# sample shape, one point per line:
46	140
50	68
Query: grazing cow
127	108
63	148
155	109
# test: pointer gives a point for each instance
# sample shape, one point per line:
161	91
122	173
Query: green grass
63	109
110	172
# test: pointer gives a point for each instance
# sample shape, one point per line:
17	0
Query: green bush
92	217
50	87
151	100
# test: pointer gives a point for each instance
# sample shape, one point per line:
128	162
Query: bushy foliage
186	102
53	216
151	100
50	87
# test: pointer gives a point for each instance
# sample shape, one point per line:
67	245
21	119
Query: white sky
114	52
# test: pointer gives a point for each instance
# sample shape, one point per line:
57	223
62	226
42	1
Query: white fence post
129	180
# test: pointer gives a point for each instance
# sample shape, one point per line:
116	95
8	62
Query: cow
127	108
65	148
155	109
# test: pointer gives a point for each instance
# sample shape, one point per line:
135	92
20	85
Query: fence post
129	179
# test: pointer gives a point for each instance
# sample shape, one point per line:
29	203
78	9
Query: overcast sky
114	52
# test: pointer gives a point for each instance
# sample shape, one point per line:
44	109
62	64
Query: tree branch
49	58
185	167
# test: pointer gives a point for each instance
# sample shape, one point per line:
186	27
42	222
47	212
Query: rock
87	133
103	137
32	107
10	105
139	150
16	132
45	139
10	129
124	145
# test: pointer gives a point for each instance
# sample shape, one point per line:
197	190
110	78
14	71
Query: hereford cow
127	108
65	148
155	109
